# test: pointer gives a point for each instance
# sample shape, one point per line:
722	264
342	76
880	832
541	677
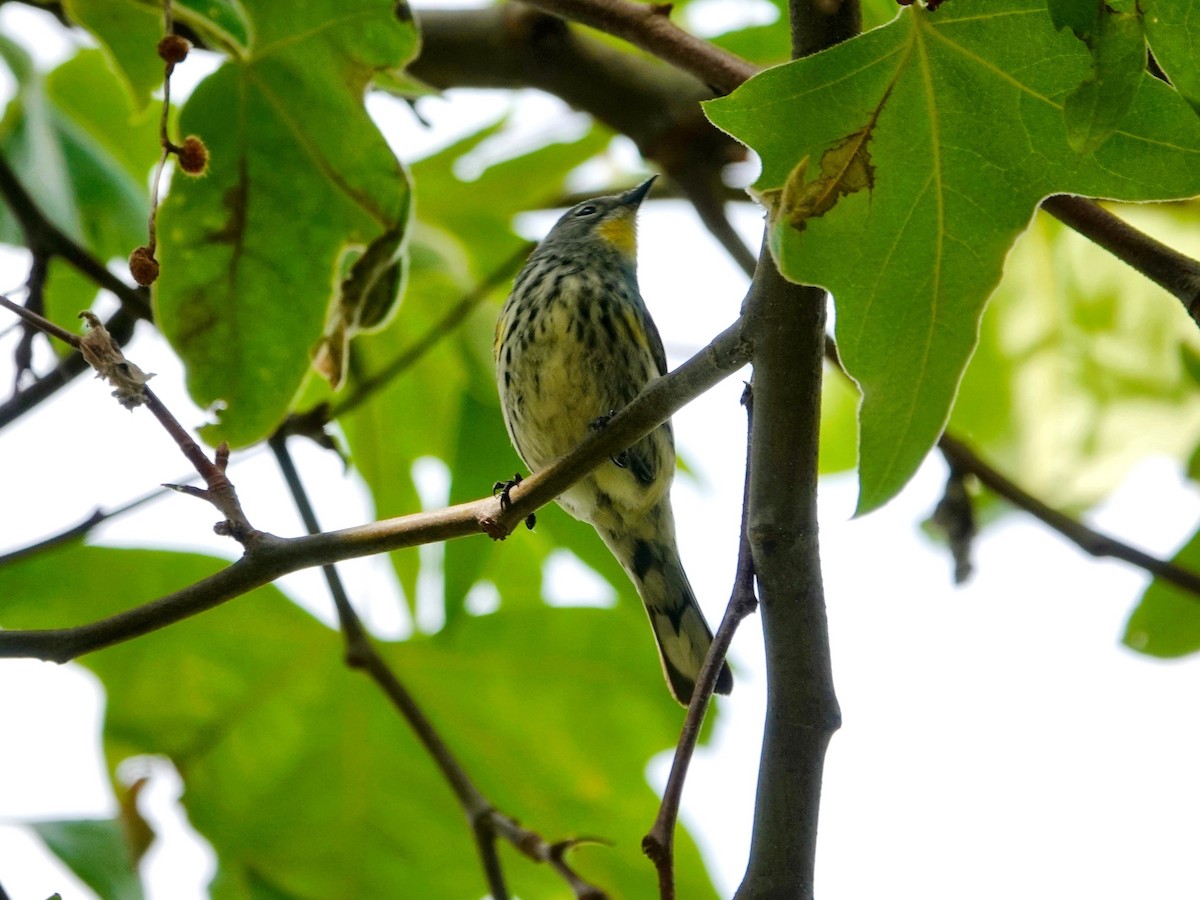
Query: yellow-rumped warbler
575	343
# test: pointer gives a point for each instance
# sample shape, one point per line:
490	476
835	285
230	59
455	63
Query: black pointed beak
635	196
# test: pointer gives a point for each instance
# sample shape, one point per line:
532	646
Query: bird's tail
682	635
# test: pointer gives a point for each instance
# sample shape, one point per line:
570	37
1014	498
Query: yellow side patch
635	328
501	327
621	232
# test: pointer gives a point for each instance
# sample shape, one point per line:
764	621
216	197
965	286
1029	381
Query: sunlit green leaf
299	174
1078	15
910	179
1095	109
224	22
838	451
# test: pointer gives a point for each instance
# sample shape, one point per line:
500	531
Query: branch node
493	527
654	847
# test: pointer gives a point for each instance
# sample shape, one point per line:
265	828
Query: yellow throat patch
620	231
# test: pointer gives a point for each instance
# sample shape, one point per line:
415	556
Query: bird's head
611	219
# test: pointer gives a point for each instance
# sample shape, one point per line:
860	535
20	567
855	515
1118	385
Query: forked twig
131	390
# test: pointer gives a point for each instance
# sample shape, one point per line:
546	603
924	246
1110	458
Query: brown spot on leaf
846	168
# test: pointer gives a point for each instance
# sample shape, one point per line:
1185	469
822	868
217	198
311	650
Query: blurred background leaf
306	781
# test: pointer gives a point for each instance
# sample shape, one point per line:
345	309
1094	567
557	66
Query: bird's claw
622	458
600	421
504	490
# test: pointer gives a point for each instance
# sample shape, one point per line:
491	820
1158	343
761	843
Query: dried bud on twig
103	355
955	516
173	49
143	266
193	156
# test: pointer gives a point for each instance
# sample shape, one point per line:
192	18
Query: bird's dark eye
585	211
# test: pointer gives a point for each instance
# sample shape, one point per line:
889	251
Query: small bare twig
164	138
120	328
131	390
659	843
486	822
81	528
955	517
36	302
192	154
41	323
707	196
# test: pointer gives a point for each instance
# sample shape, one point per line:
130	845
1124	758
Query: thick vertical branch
787	322
787	326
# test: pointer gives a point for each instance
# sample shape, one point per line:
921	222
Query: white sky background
998	741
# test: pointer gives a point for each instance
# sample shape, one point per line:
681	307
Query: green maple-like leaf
299	177
899	168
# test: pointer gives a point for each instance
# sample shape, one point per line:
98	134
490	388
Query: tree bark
787	322
787	325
